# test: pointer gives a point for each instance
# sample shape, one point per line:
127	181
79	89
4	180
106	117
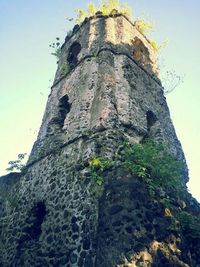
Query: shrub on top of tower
143	26
112	7
106	8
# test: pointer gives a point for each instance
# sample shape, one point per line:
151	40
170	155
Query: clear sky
27	68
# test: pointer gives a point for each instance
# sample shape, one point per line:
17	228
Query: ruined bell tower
107	79
106	90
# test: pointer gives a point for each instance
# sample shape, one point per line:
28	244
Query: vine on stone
97	166
150	162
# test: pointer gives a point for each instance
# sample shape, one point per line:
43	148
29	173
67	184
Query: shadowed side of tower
61	215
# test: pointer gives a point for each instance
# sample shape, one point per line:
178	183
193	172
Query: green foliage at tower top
107	7
112	7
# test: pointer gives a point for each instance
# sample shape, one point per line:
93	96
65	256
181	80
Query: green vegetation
108	7
157	47
17	165
65	68
112	7
190	225
56	46
150	162
154	165
158	170
144	26
97	166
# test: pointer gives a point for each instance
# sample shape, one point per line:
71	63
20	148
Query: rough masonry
54	214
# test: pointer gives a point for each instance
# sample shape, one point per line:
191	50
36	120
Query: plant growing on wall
111	7
97	166
152	163
143	26
190	225
17	165
56	46
65	68
106	8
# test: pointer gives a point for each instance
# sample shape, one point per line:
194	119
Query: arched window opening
33	227
64	108
73	54
151	119
38	214
34	222
57	122
140	52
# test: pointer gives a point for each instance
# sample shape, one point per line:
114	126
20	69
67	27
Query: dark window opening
36	219
64	108
76	28
140	52
32	229
151	119
57	122
73	54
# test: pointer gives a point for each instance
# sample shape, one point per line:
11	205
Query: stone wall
55	213
60	216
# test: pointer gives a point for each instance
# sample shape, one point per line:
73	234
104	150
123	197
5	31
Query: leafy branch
150	162
17	165
56	46
111	7
97	167
108	7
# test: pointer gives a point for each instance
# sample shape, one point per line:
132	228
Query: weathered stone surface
111	91
58	215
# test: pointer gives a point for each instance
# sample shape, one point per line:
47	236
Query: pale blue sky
27	68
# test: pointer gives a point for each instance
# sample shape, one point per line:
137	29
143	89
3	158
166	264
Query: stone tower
106	90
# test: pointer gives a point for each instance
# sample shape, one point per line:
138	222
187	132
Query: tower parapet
115	32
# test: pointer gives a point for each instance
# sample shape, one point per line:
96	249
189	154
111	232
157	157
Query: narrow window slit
64	108
151	119
73	54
